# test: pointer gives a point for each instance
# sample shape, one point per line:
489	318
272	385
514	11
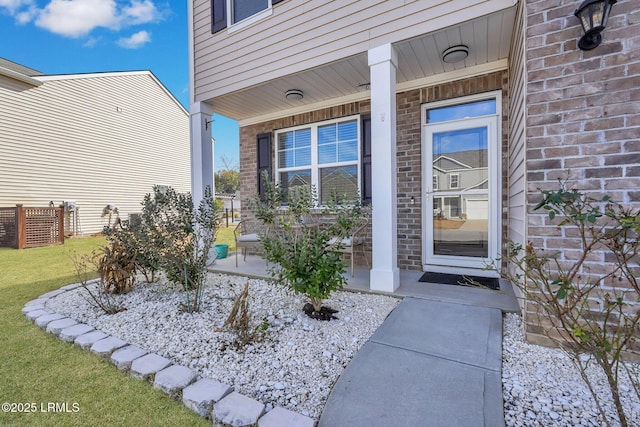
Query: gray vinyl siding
517	135
300	35
65	140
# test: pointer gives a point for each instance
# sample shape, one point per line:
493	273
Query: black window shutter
366	160
274	2
218	15
264	160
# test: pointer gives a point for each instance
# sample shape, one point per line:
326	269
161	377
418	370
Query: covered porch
503	299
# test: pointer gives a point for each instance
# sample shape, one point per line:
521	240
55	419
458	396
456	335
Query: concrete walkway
431	363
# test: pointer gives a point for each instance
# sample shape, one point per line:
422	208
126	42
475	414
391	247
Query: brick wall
583	114
409	151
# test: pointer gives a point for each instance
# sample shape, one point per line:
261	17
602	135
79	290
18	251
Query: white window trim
232	27
315	166
494	179
457	175
436	182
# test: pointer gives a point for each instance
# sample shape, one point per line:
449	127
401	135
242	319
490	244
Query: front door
461	182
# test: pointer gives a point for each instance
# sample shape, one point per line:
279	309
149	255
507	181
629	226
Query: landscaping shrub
85	267
304	252
117	262
170	236
584	310
240	320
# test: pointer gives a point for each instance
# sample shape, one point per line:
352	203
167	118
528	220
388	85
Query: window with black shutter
264	161
366	160
234	11
218	15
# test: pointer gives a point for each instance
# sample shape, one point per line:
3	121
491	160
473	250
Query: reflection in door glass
461	196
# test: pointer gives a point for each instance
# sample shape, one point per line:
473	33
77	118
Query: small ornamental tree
584	311
171	236
304	252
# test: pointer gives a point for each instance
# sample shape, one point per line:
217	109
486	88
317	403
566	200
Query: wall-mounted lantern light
593	15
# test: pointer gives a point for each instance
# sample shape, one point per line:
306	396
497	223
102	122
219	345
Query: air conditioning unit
70	206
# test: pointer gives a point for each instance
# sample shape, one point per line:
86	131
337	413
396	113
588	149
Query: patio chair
354	240
246	237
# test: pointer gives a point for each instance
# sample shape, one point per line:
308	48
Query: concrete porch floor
503	299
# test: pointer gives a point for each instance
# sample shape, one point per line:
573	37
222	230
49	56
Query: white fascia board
19	76
58	77
461	74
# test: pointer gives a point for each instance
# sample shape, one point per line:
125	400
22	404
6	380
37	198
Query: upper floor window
243	9
324	155
454	180
227	13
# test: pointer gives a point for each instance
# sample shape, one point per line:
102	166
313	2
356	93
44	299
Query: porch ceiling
488	38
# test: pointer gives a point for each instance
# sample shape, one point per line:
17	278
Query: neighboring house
461	108
93	141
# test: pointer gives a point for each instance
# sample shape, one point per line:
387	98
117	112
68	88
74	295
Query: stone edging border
208	398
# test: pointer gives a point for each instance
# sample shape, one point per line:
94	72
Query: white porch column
201	151
384	275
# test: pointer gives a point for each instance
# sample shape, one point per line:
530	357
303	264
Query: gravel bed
542	387
294	365
298	359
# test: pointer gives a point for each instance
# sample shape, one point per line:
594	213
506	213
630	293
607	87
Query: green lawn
38	368
224	235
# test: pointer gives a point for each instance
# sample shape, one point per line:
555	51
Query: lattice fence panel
42	226
8	228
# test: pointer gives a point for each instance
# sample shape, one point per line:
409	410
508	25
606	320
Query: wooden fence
22	227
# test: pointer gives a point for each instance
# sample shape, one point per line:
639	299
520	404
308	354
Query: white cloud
27	15
92	41
136	40
78	18
13	5
140	12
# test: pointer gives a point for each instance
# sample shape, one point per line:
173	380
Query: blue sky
84	36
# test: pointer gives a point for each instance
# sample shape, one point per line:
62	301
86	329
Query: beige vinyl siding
66	141
517	135
301	35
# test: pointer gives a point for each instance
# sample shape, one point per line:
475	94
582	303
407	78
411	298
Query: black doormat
458	279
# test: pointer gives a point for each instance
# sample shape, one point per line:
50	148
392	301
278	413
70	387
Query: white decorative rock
32	307
106	346
237	410
57	326
43	321
87	340
200	396
280	417
71	333
146	367
173	379
124	357
33	315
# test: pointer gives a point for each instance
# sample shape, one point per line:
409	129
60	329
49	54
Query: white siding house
93	139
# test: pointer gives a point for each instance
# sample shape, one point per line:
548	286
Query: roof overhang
19	76
420	64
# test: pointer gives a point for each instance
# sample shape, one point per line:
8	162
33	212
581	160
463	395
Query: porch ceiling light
593	15
455	54
294	94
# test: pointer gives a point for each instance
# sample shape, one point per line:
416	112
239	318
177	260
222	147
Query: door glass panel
460	200
462	111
